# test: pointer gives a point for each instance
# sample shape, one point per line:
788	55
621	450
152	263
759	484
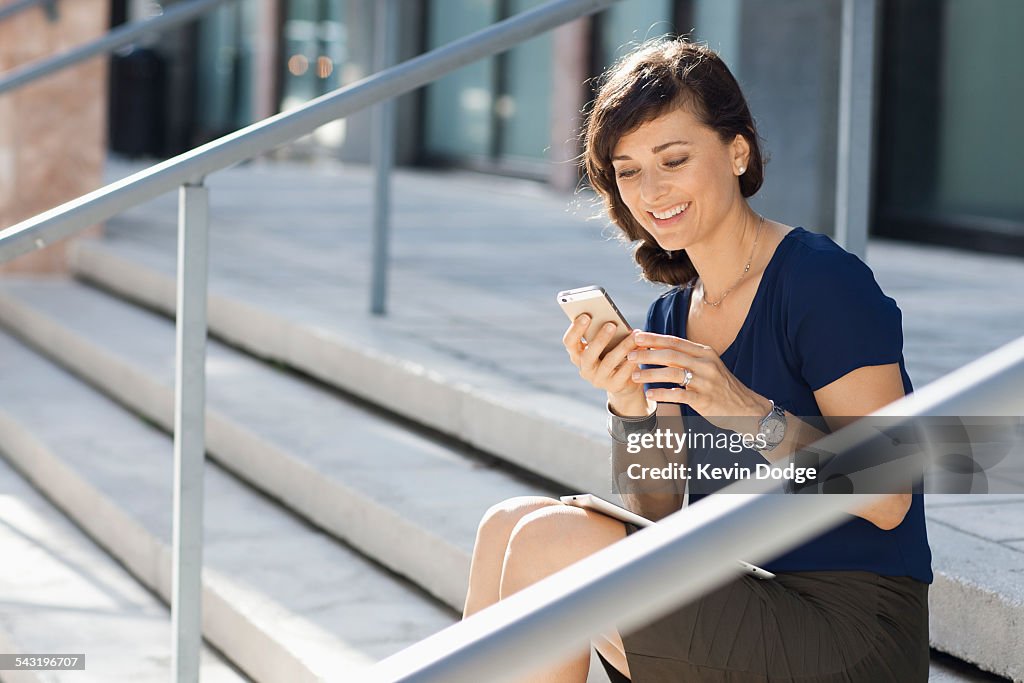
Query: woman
777	328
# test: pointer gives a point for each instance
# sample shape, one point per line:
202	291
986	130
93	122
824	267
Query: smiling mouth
669	215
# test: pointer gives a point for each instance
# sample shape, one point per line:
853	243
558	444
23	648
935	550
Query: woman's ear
740	150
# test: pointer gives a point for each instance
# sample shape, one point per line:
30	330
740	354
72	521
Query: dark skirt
811	627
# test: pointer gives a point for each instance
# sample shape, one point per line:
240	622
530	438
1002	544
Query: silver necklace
716	304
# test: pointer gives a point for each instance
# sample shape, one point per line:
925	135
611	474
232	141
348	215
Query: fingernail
609	327
631	355
585	318
641	338
636	375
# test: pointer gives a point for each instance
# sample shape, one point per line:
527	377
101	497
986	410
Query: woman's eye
629	173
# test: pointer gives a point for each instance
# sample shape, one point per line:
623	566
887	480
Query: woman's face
678	179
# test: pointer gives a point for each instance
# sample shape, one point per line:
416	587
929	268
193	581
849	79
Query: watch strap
620	428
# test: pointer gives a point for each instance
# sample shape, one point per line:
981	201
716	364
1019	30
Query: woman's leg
491	542
547	540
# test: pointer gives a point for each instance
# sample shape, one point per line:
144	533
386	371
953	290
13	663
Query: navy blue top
818	314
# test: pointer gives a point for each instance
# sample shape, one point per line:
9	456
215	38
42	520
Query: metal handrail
50	6
187	172
623	585
685	555
263	136
123	35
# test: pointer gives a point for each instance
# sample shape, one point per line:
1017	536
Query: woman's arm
612	371
858	393
648	497
714	391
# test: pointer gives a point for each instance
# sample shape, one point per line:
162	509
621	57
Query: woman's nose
652	187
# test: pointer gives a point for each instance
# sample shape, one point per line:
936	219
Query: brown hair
653	79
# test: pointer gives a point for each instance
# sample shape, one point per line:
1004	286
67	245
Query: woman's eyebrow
654	150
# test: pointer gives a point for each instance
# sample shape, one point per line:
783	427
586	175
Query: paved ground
476	262
60	593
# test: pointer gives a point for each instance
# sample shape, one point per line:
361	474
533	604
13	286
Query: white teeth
671	212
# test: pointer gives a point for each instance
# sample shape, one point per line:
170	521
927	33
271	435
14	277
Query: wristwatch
773	427
620	428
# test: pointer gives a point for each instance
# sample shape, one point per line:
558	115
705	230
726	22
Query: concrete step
977	600
407	500
282	600
286	317
60	593
427	368
945	668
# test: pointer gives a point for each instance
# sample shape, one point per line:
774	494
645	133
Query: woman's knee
565	529
501	518
550	538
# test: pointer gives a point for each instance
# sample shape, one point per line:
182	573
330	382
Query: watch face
774	430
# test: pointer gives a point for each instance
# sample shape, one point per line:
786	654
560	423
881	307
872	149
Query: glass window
326	44
459	118
949	140
497	110
218	74
718	22
317	54
300	51
630	22
981	97
524	106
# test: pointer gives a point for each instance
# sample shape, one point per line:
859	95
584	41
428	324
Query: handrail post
189	430
382	155
857	78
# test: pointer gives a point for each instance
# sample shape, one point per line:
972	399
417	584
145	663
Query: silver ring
687	376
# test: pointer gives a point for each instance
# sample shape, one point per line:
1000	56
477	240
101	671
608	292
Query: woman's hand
712	390
613	372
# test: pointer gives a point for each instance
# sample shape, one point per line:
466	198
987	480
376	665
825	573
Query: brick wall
52	131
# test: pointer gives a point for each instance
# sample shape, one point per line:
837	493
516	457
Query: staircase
349	457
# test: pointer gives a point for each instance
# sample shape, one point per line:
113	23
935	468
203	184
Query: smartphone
589	501
596	303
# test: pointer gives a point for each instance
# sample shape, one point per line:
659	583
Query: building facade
950	86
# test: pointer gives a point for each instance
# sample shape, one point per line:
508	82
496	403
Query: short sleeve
839	319
663	317
658	314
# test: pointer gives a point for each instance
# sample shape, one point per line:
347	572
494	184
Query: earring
743	169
